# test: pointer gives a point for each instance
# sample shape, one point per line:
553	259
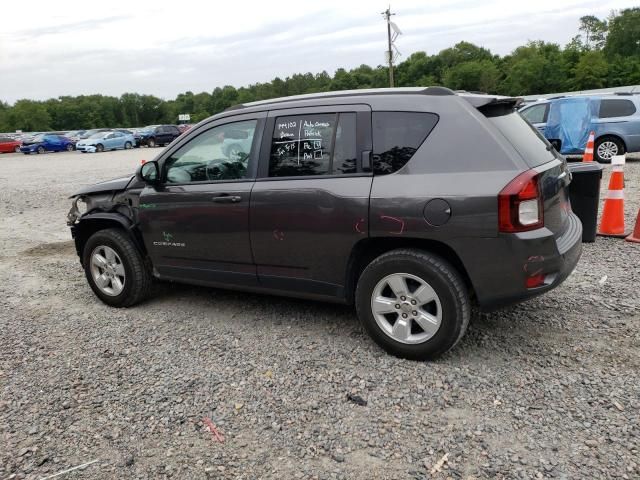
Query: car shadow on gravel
510	328
55	248
280	308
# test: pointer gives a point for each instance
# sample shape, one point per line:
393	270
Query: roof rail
436	91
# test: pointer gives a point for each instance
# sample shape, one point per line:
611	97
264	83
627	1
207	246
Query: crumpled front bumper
86	148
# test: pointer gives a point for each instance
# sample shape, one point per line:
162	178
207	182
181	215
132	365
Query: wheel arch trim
91	223
367	249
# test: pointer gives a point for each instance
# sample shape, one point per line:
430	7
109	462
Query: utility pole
390	39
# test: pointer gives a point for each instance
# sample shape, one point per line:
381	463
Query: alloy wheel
406	308
107	270
607	150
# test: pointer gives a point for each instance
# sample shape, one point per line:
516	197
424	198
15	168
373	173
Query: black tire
151	142
137	282
40	150
70	148
99	148
615	143
127	145
447	283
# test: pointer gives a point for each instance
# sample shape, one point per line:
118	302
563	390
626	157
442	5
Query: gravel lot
550	388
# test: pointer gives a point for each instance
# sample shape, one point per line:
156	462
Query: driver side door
195	224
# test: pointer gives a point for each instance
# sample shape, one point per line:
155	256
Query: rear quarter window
616	108
397	136
525	138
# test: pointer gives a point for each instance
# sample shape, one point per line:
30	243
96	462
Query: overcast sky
74	47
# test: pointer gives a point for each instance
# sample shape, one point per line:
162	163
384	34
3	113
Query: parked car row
91	141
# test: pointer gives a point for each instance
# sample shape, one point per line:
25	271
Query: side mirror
149	173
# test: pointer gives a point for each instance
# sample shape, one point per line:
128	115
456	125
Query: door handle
224	198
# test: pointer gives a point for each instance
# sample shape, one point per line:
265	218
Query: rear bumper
499	276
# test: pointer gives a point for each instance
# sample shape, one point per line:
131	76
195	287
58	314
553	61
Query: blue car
45	142
101	141
567	121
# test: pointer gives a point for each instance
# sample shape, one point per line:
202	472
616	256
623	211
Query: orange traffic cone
635	236
588	151
612	222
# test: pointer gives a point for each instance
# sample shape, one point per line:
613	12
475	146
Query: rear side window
525	138
536	114
397	136
616	108
315	144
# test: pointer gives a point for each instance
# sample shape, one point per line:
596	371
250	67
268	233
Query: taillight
520	206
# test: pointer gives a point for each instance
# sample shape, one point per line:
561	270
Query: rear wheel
413	304
70	148
99	148
115	269
608	147
127	145
17	149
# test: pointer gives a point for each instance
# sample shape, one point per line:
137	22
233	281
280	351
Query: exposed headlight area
79	206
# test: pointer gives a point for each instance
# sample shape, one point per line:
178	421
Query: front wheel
151	142
115	268
608	147
413	304
99	148
40	150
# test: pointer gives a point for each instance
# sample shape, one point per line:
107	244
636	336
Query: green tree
477	75
29	116
624	34
537	67
591	71
595	31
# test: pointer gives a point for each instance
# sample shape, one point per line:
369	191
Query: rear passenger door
310	203
116	140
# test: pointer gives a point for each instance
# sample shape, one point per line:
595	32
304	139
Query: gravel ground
550	388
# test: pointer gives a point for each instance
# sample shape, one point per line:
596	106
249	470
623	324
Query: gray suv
412	204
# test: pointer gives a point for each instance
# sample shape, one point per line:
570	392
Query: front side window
616	108
535	114
314	144
397	136
221	153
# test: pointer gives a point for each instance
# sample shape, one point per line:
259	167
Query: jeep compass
411	204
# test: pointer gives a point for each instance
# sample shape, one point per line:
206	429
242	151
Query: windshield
98	135
38	138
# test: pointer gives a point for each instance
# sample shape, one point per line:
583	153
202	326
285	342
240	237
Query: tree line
606	53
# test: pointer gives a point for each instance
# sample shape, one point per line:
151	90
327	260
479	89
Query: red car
9	145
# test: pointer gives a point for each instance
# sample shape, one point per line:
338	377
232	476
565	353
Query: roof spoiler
493	106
